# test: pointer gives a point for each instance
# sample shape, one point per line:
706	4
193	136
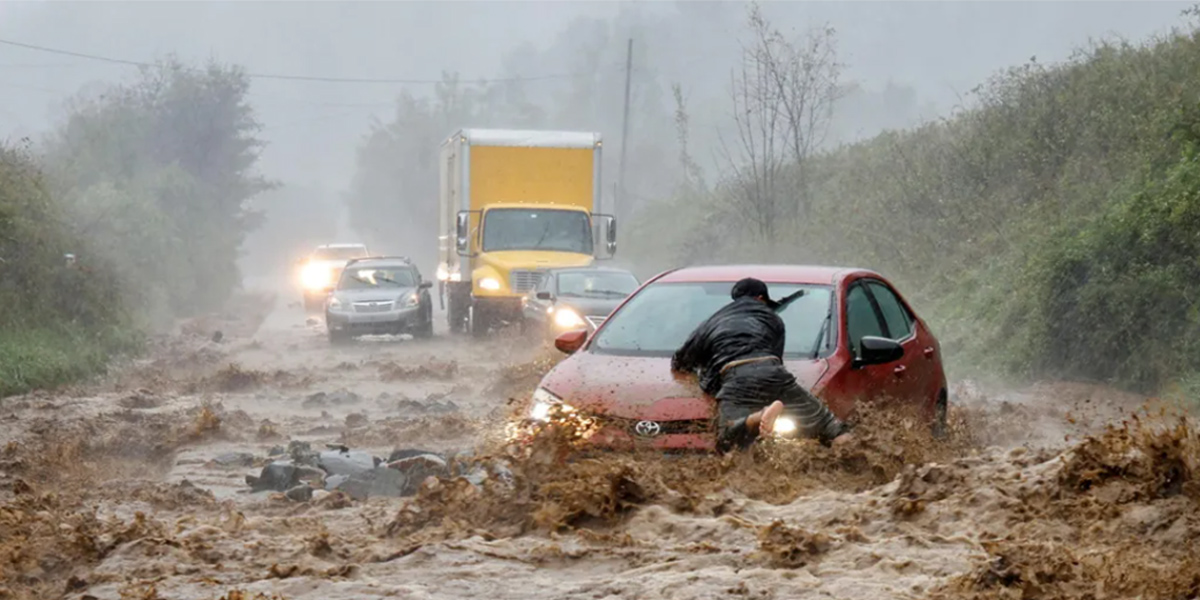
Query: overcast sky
942	49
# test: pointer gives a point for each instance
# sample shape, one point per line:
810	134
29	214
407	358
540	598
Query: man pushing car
738	352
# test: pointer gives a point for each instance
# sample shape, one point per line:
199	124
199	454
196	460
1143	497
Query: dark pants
752	387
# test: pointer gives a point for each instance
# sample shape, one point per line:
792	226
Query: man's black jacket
744	328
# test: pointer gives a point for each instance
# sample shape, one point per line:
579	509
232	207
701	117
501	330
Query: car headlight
784	426
489	283
567	318
315	276
543	400
334	304
411	299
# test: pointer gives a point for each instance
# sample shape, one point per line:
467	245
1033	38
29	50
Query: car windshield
340	253
365	278
596	284
658	319
524	229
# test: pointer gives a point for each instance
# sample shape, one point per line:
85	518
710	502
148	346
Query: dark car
379	295
851	337
575	298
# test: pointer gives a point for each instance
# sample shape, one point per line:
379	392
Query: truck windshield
534	229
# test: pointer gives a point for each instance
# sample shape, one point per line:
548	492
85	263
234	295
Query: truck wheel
479	324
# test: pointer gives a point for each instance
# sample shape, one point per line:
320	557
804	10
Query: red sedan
851	336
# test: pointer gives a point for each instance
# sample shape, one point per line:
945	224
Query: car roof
810	274
383	261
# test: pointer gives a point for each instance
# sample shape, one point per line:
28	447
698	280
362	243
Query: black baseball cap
752	288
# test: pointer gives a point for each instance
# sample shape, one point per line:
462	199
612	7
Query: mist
912	62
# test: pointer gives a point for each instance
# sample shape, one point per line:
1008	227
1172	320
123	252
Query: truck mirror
612	232
461	234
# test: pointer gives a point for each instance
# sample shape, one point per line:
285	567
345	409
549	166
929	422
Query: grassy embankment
58	324
1051	229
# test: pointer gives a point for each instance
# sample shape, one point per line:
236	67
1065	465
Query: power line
285	77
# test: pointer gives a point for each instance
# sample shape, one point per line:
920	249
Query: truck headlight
442	273
567	318
489	283
543	400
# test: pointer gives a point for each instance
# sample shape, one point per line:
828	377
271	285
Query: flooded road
137	487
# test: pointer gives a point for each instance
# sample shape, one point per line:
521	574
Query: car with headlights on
320	271
851	337
575	298
379	295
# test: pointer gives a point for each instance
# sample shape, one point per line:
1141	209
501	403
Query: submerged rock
347	462
300	493
278	476
234	459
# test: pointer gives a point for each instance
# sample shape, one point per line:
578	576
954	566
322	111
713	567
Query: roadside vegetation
1051	228
145	183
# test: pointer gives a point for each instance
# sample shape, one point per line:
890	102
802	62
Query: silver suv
379	295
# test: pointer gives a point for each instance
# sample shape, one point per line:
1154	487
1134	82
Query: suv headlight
334	303
543	400
411	299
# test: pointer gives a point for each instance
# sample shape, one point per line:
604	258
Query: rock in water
300	493
350	462
277	476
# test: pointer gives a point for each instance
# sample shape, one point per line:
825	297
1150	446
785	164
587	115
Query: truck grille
372	307
523	280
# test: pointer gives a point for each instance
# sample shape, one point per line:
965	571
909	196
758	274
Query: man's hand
682	375
842	440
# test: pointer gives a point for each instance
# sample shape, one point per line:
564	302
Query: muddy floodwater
137	487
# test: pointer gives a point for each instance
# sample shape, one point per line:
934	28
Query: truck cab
513	205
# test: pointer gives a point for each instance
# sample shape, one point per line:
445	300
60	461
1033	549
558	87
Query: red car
850	336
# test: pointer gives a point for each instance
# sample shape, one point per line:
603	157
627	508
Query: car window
861	320
658	319
899	322
596	284
365	278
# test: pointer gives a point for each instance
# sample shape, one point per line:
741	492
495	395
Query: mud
135	486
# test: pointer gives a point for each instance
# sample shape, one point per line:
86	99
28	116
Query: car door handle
929	352
899	371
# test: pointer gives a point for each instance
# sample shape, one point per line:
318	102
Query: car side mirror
424	285
570	341
874	350
544	296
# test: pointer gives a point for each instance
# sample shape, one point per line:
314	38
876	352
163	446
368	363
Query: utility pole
624	126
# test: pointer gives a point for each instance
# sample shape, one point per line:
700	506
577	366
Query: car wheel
424	329
941	427
337	337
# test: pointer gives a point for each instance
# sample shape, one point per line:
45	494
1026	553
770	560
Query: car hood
507	260
593	307
373	295
638	387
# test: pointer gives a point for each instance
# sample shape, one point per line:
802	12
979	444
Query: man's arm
690	354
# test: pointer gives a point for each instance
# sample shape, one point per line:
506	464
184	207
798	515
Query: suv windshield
596	284
340	253
366	278
659	318
524	229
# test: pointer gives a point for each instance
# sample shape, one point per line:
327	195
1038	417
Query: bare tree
789	87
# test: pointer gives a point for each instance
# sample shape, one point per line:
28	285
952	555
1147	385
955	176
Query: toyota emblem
647	428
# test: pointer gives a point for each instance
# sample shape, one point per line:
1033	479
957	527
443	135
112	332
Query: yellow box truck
512	204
